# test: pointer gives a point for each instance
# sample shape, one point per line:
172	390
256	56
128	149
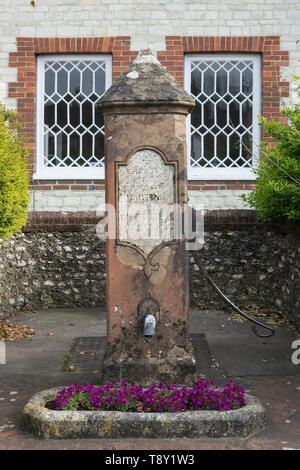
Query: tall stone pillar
147	276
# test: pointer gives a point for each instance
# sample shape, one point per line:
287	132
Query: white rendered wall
68	200
147	23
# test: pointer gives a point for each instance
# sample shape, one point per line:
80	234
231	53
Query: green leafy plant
64	366
3	333
14	181
277	193
79	402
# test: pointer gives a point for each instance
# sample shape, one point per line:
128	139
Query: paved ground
263	366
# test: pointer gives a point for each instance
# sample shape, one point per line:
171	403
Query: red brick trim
273	58
268	46
47	221
214	185
241	219
75	185
46	185
24	89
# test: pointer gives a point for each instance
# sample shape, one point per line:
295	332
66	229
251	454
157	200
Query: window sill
70	173
211	174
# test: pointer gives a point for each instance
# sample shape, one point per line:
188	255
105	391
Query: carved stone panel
146	201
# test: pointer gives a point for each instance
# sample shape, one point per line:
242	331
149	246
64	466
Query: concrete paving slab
239	352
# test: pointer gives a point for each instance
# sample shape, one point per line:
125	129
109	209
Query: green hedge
277	193
14	181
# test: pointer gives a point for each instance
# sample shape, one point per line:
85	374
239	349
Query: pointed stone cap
146	83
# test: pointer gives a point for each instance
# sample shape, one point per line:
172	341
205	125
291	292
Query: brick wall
58	221
121	27
173	58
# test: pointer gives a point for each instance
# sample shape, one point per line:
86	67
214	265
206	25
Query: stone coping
50	424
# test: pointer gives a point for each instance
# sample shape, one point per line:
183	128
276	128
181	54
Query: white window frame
41	171
198	173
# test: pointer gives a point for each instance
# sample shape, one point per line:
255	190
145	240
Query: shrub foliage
277	193
14	182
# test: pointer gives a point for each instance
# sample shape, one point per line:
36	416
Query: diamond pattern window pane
222	120
73	125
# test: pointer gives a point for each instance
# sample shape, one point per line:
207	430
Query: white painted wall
147	22
68	200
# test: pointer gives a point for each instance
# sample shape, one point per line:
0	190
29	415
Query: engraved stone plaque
147	197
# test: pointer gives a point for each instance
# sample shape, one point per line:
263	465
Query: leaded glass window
70	128
223	132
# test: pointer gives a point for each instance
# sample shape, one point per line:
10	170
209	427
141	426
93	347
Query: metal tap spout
149	327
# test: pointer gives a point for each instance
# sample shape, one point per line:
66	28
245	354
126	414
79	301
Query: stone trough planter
50	424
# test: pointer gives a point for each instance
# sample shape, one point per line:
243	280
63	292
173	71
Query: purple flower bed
122	396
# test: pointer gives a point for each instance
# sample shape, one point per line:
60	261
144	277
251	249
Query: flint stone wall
67	269
59	269
257	268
